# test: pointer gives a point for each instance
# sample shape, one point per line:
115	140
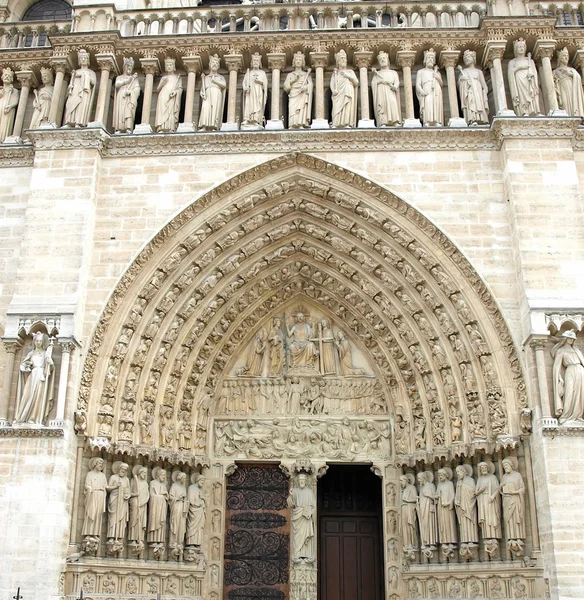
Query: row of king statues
344	83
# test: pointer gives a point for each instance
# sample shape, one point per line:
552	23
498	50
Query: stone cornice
17	432
535	127
552	431
16	155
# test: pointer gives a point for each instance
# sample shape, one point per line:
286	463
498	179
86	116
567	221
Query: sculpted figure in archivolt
301	501
35	382
568	378
127	92
568	86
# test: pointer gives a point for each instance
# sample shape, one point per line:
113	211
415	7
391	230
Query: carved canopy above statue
294	289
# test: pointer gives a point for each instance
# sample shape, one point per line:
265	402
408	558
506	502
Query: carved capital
538	343
107	62
276	60
494	50
193	64
319	59
67	346
150	66
27	79
544	49
12	346
449	58
61	64
234	62
362	59
406	58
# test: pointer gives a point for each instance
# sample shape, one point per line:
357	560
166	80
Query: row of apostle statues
141	513
344	85
458	514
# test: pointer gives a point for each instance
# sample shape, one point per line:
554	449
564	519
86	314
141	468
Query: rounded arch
298	229
40	10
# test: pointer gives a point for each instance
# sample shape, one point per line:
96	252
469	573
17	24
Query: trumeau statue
385	88
568	84
127	89
95	498
8	102
427	510
42	99
429	91
298	85
212	97
118	505
157	507
473	91
35	382
523	81
302	502
169	96
568	380
80	93
488	501
139	496
465	503
255	93
512	490
179	507
197	511
409	503
343	85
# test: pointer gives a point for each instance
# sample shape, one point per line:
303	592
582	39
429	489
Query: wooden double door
350	561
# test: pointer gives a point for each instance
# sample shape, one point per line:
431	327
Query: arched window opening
48	10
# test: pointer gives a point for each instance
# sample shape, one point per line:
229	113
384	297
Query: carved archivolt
300	231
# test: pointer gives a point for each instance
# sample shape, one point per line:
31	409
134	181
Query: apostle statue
512	490
139	496
118	506
473	91
35	382
488	501
255	94
169	95
197	511
303	351
445	508
568	84
212	97
179	507
523	81
8	102
568	380
429	91
427	511
276	348
127	91
465	504
301	501
157	507
95	502
408	512
42	99
343	85
80	93
385	88
298	85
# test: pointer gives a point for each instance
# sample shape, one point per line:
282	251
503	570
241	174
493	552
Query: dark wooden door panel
257	540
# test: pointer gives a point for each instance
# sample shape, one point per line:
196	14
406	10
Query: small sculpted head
483	468
563	57
470	58
302	480
256	61
170	65
142	473
341	59
7	75
383	59
508	466
123	469
442	475
47	75
214	63
519	48
161	476
298	60
83	58
128	65
569	337
460	472
430	58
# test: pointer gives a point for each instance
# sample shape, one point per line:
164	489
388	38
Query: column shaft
232	93
21	110
544	397
11	348
101	97
147	103
57	91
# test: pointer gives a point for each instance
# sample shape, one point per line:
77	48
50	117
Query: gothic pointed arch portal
299	312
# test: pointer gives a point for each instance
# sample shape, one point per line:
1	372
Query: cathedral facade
292	303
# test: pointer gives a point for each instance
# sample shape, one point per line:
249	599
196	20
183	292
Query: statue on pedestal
197	511
117	508
139	496
127	91
429	91
95	503
8	102
445	511
568	84
473	91
80	93
298	85
408	513
385	88
157	511
302	502
344	84
523	81
489	505
42	99
255	93
35	382
465	503
568	380
512	490
212	97
169	95
179	507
